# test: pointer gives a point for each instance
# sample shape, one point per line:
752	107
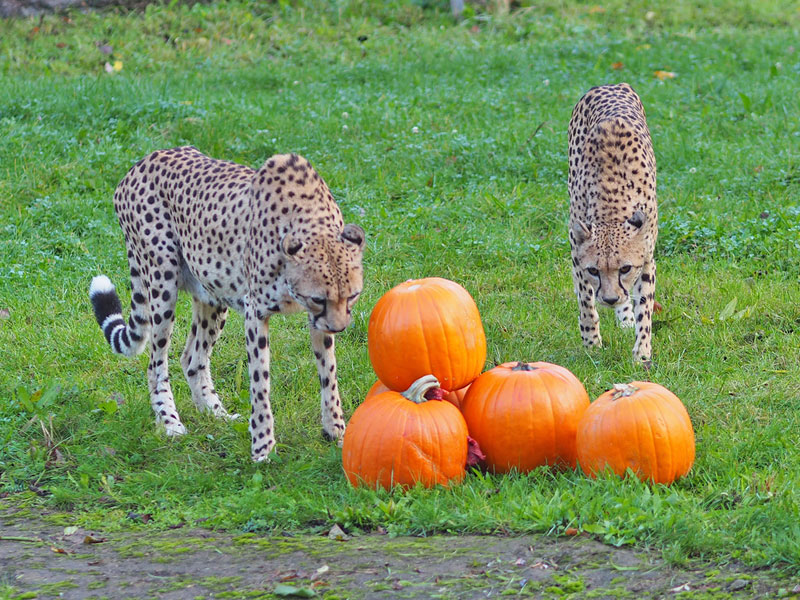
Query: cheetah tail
124	338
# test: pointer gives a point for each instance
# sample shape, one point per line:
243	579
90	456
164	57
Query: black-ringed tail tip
108	312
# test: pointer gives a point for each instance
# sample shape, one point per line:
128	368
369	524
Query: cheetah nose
611	301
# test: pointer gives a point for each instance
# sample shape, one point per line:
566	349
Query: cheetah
260	242
613	217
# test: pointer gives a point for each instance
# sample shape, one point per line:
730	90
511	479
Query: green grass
476	194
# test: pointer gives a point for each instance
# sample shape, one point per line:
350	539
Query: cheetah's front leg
262	431
589	320
643	301
624	314
332	421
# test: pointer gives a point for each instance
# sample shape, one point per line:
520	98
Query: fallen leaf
617	66
61	45
37	490
58	550
336	533
108	68
90	539
70	530
105	49
520	562
663	75
117	66
681	588
571	531
140	517
657	307
290	590
320	572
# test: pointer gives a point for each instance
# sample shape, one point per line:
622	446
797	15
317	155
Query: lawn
446	141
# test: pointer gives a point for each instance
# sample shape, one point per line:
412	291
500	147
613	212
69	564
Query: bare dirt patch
38	559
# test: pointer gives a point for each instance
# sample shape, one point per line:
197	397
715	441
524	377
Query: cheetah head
324	274
610	257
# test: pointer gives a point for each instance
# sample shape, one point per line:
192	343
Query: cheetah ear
581	232
638	219
354	235
290	245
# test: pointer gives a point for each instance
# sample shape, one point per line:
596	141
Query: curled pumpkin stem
623	390
522	366
416	392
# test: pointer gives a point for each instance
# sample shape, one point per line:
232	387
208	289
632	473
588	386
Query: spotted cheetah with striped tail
262	242
613	218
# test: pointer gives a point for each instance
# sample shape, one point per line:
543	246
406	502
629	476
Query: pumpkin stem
623	390
416	392
521	366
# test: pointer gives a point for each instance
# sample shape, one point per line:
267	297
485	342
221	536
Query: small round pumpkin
402	439
455	397
525	415
640	426
426	326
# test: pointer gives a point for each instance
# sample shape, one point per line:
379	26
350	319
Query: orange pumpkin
455	398
426	326
525	415
402	439
640	426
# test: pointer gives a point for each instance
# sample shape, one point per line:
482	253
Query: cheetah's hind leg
207	324
625	314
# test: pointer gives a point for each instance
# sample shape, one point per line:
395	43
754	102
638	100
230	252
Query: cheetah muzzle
613	217
261	242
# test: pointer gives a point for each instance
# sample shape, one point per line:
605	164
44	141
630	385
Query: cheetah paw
174	429
263	454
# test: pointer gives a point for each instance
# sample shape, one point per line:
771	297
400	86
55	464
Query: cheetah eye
353	298
317	300
625	269
593	271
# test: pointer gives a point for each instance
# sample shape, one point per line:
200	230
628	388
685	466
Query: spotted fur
613	217
261	242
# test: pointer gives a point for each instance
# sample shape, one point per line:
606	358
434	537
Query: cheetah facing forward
260	242
613	218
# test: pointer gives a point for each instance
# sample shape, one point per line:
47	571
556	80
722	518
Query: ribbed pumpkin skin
648	431
455	398
525	418
426	326
393	441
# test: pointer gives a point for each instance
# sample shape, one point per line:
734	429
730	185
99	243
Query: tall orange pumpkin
525	415
426	326
402	439
455	397
642	426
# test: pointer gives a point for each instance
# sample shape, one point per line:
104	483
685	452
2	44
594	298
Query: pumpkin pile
423	335
426	343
